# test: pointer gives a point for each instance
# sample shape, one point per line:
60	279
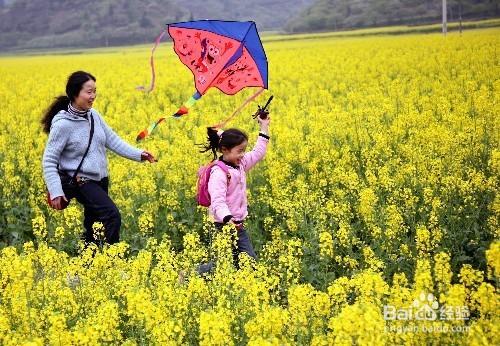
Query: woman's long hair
73	87
228	139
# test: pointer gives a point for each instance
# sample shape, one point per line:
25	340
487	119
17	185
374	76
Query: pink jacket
232	199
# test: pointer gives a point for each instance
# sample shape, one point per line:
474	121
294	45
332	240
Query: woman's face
86	97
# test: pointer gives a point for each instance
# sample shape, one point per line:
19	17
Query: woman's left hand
147	156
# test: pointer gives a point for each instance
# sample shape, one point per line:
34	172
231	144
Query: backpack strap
224	168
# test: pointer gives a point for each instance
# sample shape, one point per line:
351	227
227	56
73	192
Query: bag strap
224	168
73	179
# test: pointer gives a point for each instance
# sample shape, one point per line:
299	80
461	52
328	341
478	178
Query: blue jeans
243	244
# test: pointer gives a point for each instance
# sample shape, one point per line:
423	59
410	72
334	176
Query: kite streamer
152	63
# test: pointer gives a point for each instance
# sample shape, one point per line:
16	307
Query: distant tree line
343	14
91	23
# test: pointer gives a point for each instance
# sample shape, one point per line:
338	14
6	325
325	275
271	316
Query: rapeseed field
375	214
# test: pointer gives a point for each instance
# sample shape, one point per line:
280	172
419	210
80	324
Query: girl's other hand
147	156
237	225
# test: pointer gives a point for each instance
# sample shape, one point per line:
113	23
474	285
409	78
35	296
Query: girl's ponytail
213	140
60	103
216	139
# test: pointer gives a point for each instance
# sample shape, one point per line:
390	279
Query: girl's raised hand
264	124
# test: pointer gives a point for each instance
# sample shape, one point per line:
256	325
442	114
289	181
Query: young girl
69	121
228	198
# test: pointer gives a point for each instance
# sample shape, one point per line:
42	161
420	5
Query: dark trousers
243	244
98	207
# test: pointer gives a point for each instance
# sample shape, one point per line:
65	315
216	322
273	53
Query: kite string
239	109
185	109
151	62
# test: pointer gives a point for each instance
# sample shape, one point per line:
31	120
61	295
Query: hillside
28	24
268	14
343	14
68	23
93	23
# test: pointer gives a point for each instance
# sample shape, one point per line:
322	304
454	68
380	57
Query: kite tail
183	110
239	109
188	104
152	63
147	131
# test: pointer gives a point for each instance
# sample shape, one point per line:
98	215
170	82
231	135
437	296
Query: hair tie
219	133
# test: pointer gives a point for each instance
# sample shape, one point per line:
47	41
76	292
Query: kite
227	55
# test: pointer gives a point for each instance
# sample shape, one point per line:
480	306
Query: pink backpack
202	196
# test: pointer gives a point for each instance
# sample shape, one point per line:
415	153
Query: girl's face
86	97
235	154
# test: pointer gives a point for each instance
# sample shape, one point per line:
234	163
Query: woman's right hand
58	202
147	156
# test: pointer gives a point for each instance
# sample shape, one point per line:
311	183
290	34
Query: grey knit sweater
67	142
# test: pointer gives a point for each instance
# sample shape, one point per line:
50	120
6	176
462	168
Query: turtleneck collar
72	110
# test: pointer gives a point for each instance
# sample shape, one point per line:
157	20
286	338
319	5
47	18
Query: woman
78	137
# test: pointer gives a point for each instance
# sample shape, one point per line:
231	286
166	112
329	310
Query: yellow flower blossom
325	245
